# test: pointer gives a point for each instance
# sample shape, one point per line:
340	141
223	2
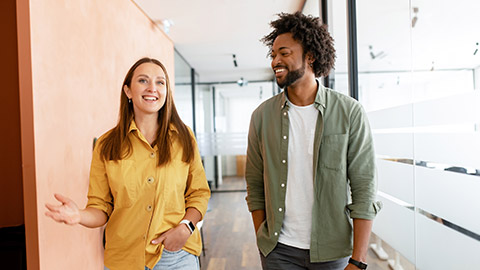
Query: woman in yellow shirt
147	181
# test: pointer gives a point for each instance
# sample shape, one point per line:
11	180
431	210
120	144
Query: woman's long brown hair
117	145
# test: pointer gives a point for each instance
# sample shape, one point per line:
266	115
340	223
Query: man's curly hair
311	34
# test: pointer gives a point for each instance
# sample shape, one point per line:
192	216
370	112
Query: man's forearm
361	237
258	217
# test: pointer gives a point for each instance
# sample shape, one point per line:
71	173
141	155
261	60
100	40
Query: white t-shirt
297	224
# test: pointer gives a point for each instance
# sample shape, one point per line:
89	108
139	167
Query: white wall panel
395	225
449	195
442	248
396	179
457	109
459	149
397	145
395	117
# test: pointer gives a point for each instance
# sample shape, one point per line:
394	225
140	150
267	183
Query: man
310	159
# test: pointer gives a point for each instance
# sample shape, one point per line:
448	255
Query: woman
146	180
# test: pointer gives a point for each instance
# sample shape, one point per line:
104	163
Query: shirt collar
134	127
320	99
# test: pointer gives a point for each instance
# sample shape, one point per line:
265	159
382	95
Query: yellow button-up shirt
142	200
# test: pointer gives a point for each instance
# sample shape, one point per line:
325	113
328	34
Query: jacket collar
320	99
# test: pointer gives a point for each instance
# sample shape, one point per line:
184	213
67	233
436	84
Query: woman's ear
127	91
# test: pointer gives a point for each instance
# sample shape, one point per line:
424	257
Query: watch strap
189	224
358	264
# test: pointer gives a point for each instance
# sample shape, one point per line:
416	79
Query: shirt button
150	180
152	155
149	208
276	233
284	137
285	113
280	209
283	185
283	161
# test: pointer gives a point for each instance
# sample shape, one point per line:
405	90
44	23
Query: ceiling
208	32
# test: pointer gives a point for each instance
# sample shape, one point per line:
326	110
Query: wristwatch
358	264
189	224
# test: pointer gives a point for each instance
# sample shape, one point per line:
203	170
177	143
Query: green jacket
344	161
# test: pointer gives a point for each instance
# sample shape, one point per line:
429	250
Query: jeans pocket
172	252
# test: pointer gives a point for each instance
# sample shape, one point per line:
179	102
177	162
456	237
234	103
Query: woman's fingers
55	216
52	208
173	239
158	240
62	198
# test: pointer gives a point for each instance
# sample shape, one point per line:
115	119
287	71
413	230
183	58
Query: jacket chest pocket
333	152
122	181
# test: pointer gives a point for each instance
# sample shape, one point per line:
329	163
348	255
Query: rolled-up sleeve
361	167
254	170
197	192
99	194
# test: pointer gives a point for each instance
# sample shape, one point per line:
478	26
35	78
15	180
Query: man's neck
303	93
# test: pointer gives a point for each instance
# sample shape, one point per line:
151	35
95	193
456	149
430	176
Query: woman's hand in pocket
173	239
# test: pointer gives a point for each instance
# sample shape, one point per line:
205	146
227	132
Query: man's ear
127	91
309	58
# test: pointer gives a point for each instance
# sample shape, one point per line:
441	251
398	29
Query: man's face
288	61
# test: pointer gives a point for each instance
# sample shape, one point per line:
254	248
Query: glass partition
226	109
385	90
183	90
445	38
418	67
337	26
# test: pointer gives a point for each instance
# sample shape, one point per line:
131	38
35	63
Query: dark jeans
285	257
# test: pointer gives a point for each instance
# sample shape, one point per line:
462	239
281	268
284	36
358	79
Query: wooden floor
229	237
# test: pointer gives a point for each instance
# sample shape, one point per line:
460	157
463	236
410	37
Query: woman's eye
160	82
142	81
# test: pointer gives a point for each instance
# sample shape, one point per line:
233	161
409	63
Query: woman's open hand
67	212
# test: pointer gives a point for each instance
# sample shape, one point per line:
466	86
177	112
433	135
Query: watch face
358	264
192	227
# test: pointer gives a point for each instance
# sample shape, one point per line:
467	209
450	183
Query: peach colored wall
80	53
11	188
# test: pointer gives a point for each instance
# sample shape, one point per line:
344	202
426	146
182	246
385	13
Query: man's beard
292	76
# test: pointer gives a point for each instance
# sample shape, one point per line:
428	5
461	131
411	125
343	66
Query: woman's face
148	89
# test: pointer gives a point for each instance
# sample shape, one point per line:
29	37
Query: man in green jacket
310	159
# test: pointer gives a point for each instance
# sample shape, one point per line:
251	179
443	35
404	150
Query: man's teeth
279	70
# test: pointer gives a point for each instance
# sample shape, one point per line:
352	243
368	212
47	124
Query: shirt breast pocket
123	185
333	152
175	188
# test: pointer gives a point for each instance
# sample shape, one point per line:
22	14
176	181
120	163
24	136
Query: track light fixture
415	18
378	55
242	82
234	60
